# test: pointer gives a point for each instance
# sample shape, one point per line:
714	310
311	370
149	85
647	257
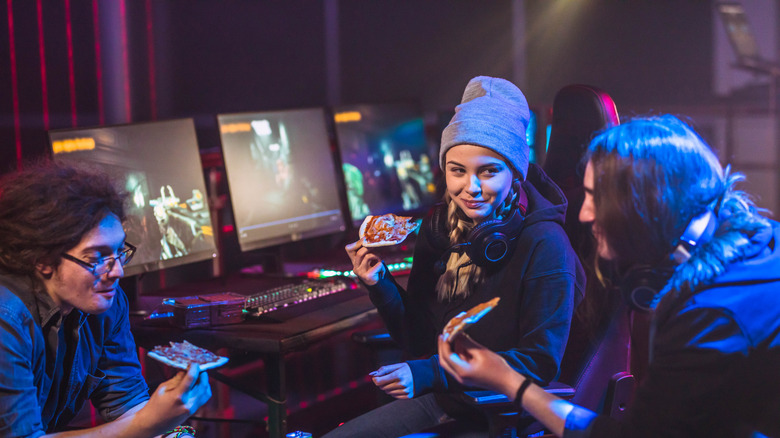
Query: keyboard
290	294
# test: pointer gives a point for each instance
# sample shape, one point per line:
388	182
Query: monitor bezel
154	265
415	108
340	225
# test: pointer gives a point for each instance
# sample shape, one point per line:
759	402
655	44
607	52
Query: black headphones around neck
641	284
487	243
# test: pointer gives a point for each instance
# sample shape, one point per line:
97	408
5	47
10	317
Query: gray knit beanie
493	114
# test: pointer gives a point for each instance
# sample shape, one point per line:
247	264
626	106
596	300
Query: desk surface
278	332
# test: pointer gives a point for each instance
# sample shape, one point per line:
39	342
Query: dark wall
643	52
425	51
240	56
208	57
244	56
27	91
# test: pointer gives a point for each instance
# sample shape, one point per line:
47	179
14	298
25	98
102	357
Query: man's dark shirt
50	365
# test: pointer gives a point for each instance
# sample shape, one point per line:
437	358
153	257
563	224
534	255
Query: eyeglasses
105	264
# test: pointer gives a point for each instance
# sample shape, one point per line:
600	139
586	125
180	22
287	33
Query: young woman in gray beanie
489	185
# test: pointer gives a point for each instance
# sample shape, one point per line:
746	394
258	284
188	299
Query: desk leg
277	394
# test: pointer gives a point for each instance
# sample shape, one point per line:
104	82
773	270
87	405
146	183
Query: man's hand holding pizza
175	400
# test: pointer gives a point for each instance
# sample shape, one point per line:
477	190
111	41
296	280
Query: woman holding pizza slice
497	233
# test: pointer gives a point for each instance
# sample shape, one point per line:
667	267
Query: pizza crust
366	221
465	319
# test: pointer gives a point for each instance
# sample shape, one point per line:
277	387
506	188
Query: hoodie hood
546	201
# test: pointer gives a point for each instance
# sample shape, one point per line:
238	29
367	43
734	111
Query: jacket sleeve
552	286
20	412
407	313
123	386
546	311
696	362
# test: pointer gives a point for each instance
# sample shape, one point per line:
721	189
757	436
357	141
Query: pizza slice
181	354
465	319
386	230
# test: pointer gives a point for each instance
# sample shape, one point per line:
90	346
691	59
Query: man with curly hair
64	327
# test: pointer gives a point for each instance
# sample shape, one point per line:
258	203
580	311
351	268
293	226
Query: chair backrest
598	348
597	355
579	111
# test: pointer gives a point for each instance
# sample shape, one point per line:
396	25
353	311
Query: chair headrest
579	111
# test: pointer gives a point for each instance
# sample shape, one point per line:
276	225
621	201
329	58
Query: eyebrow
104	247
498	163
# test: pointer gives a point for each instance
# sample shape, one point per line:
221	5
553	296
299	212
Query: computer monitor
385	158
743	41
532	138
281	176
158	164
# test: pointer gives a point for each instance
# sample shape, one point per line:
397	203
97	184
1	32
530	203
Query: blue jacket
51	366
715	359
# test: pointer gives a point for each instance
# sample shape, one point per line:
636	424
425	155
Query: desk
268	338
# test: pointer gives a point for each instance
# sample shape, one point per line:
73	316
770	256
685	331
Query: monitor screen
281	175
386	161
739	31
158	163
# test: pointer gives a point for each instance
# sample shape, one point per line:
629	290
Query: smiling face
73	286
588	214
478	180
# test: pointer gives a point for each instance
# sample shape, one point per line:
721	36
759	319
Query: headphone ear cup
641	284
490	241
487	244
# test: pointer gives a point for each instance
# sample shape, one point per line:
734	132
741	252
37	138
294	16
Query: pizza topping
185	353
464	319
388	229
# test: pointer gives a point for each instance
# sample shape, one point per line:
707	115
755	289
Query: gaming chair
594	369
596	362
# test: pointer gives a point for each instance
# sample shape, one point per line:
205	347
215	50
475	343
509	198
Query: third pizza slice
461	321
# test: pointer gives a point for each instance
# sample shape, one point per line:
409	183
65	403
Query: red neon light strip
92	415
125	60
150	55
71	75
14	85
98	63
42	56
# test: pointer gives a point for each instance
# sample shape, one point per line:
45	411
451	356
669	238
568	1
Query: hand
396	380
177	399
471	364
365	264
